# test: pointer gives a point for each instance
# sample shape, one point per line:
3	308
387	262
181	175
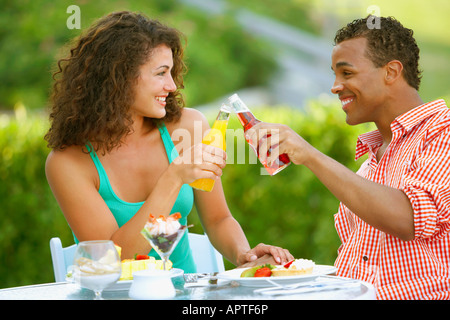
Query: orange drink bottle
216	138
248	120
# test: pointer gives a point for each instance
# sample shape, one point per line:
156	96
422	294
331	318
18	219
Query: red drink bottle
248	120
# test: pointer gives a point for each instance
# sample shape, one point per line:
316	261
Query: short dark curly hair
391	41
94	85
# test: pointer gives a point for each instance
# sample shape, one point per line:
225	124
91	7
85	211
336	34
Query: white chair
61	258
206	257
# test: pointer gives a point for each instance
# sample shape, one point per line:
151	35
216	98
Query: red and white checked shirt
416	161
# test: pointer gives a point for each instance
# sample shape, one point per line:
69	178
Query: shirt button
365	258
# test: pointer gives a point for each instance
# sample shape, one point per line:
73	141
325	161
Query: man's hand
279	139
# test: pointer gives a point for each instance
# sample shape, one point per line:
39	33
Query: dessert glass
96	265
164	240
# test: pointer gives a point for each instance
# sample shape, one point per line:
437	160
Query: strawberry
263	272
288	264
141	257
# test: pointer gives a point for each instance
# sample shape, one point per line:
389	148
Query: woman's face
154	84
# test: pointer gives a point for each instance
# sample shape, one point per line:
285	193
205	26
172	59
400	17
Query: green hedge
29	213
291	209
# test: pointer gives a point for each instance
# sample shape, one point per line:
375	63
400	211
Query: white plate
235	275
126	284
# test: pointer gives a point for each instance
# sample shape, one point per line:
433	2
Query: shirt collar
404	122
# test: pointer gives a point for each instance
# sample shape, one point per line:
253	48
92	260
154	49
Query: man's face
358	83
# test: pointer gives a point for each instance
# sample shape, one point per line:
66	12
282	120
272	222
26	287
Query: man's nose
337	87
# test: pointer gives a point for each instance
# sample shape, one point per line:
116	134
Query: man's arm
384	208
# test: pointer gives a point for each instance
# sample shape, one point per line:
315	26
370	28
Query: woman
115	104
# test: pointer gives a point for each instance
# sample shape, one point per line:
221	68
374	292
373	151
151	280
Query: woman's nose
170	85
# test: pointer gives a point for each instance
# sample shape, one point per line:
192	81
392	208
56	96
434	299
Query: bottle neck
244	114
237	104
247	119
223	115
224	112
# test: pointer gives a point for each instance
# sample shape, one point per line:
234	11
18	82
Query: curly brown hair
94	86
392	41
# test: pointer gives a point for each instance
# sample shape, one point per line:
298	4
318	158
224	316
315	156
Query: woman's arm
223	230
227	236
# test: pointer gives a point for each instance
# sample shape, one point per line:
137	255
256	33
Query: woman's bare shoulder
70	160
68	154
189	115
192	124
191	119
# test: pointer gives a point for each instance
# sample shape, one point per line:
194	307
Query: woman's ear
394	70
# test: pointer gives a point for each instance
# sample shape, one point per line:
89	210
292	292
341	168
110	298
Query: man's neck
397	105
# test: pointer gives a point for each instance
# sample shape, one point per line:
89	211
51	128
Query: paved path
304	59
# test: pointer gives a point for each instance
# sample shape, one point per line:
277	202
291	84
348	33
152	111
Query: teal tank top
181	257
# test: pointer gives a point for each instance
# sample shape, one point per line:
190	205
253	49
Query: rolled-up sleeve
427	186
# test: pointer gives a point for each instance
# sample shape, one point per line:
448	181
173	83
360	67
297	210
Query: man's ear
394	70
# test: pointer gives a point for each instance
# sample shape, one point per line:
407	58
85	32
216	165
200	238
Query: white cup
152	285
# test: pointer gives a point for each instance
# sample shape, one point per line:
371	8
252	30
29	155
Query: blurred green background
291	210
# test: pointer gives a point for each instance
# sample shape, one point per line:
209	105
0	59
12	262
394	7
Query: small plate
235	275
126	284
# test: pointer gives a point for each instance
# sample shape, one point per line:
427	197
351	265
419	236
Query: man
394	216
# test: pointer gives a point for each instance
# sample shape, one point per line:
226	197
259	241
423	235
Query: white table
188	291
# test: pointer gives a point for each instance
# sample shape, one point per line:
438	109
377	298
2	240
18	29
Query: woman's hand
264	253
199	162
